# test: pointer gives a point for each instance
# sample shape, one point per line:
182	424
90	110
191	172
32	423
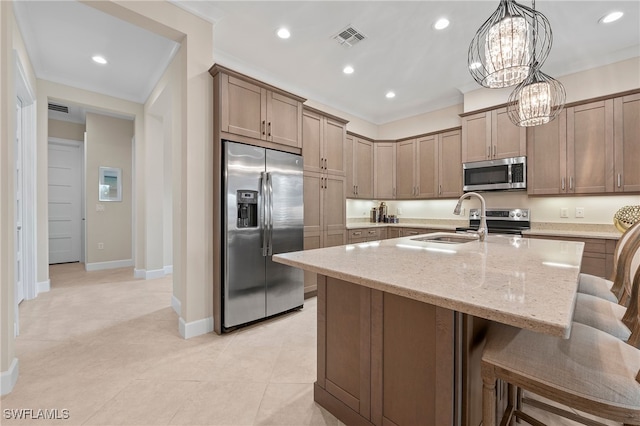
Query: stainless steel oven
491	175
500	221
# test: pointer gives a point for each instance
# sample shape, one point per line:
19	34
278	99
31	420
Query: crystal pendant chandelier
537	100
502	52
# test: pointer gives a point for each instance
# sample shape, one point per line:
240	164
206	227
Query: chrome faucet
482	230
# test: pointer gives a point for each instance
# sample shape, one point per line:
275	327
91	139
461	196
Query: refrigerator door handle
270	223
265	205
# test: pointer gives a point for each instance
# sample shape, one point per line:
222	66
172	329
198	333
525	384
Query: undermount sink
447	238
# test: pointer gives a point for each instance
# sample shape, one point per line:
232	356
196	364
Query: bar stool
609	316
591	371
608	289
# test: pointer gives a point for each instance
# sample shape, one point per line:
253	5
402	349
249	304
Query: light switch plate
564	212
579	211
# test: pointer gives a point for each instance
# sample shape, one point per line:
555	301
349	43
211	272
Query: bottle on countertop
382	212
374	215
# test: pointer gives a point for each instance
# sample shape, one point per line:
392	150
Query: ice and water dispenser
247	209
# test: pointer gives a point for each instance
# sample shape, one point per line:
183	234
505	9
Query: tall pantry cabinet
325	165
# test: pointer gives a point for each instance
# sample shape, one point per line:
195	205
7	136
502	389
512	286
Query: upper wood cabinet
626	135
384	177
323	145
590	148
406	169
547	157
256	110
429	166
491	135
574	153
359	154
449	164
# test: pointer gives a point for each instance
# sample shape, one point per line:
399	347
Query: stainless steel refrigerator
263	215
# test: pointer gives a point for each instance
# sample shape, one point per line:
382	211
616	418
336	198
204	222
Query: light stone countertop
598	231
523	282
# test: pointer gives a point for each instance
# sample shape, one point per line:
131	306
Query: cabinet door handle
489	152
563	184
494	151
394	192
439	189
619	180
571	182
269	129
412	233
356	234
372	232
263	127
325	164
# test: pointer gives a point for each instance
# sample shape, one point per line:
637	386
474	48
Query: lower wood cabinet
597	257
362	235
375	365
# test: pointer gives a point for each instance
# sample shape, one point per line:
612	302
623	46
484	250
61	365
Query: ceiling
402	52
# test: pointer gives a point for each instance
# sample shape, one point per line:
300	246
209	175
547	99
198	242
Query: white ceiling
426	68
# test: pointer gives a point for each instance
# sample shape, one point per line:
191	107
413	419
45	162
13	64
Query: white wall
614	78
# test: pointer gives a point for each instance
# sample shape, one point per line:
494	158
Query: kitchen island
401	321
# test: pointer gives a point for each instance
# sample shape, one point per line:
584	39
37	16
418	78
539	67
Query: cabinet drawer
408	232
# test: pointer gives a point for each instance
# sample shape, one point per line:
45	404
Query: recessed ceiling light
348	69
441	24
475	65
99	59
390	95
613	16
284	33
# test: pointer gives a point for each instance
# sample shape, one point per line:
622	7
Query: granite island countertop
523	282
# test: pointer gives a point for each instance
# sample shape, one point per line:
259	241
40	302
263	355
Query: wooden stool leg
488	395
518	402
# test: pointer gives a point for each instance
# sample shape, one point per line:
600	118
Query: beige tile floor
105	347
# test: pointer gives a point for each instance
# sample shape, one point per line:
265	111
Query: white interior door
19	240
65	189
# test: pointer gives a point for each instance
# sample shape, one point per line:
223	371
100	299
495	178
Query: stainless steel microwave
490	175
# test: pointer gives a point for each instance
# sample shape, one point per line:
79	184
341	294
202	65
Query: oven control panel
502	214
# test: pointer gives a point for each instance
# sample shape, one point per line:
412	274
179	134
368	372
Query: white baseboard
148	274
176	304
168	270
195	328
43	286
9	378
114	264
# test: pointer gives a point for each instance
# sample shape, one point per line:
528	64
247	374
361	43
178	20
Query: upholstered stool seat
591	371
601	314
596	286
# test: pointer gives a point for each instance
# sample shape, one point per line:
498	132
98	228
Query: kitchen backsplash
597	209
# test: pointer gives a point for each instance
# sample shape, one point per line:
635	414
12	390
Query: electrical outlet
100	246
564	212
579	211
99	207
399	211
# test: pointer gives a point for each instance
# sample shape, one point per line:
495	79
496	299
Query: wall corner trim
177	307
195	328
43	286
114	264
9	378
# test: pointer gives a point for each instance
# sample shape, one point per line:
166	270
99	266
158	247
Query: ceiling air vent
349	36
59	108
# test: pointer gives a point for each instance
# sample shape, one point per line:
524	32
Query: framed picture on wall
110	186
